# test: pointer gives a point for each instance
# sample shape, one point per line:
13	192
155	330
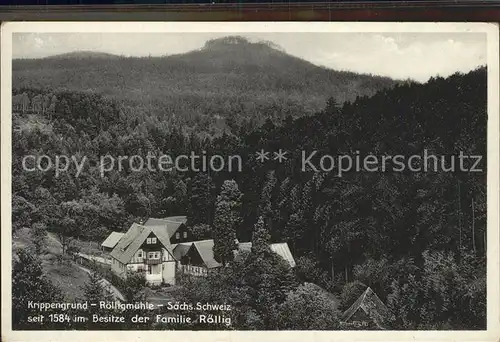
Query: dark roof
371	304
205	249
181	249
169	224
134	238
112	239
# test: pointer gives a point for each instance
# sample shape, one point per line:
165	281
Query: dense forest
229	80
418	239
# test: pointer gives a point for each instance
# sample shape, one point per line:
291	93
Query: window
153	240
148	241
185	235
154	255
177	236
139	254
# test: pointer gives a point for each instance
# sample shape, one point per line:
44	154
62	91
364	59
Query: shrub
350	292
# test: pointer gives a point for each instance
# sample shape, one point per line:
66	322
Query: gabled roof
371	304
169	224
112	239
283	251
182	219
279	248
134	238
205	249
181	249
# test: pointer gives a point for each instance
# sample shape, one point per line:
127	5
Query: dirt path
98	259
54	238
114	291
54	245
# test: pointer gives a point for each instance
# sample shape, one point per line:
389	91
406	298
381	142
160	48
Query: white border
491	334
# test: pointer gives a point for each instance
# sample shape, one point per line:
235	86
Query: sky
416	56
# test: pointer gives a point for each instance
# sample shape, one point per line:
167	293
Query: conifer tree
260	237
29	282
39	235
227	219
93	290
266	199
200	195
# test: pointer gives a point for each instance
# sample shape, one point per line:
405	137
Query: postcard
250	181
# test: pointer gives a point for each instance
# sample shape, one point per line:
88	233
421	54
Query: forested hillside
230	80
417	238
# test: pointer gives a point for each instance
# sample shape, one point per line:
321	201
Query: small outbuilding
111	241
367	313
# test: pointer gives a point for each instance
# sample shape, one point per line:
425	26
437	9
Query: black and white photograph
198	178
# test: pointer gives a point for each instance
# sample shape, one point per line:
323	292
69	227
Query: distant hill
84	55
228	76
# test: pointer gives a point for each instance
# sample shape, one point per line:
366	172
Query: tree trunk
333	271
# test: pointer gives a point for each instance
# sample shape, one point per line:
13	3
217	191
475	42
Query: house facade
161	247
145	249
197	258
